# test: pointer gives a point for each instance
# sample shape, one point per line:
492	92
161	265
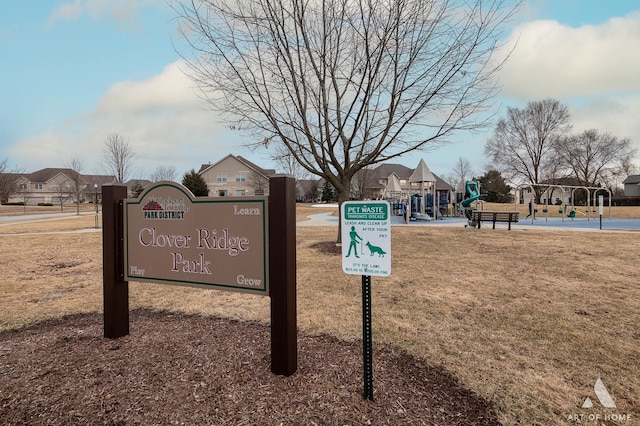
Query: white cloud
169	88
122	11
162	119
593	69
612	114
553	60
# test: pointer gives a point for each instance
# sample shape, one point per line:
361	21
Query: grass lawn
527	319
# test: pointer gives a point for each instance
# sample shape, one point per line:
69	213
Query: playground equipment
590	191
476	217
471	194
414	206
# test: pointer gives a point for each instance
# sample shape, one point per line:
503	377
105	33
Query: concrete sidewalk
577	224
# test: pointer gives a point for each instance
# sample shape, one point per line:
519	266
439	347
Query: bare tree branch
118	156
523	143
163	172
8	181
77	186
595	158
343	84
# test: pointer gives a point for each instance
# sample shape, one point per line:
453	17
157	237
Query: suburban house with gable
235	176
394	181
58	186
632	186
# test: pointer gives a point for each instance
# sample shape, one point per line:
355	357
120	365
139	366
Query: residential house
394	181
58	186
136	186
235	176
309	190
632	186
376	181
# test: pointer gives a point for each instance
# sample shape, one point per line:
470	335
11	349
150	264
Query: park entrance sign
167	235
173	238
366	238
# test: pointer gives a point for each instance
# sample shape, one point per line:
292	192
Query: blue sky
74	71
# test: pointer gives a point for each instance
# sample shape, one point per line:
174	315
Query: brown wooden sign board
140	242
172	237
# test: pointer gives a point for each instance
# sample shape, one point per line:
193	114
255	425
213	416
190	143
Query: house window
222	177
23	186
240	177
223	193
37	186
240	192
259	192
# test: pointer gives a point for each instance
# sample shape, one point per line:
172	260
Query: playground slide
471	193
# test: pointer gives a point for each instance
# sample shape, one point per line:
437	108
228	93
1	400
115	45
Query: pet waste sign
366	238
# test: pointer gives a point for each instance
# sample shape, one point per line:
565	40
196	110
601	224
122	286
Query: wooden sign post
168	236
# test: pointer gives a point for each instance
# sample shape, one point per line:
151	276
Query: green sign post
366	251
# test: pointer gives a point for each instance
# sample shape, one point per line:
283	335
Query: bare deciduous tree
343	84
62	191
523	143
311	190
362	181
164	173
286	163
118	156
258	183
462	171
8	181
594	158
25	194
77	185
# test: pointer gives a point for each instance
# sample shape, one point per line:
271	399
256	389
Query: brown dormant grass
527	319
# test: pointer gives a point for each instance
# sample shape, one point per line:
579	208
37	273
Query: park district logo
604	400
165	208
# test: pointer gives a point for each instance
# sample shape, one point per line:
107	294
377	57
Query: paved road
43	216
327	219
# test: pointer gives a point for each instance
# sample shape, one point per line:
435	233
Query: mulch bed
182	369
327	247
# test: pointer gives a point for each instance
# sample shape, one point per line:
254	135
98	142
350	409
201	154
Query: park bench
484	216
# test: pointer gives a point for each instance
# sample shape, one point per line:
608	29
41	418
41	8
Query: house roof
266	172
563	181
632	179
99	179
249	164
403	173
385	169
143	182
442	185
45	175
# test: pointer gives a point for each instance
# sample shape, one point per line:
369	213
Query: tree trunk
343	195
